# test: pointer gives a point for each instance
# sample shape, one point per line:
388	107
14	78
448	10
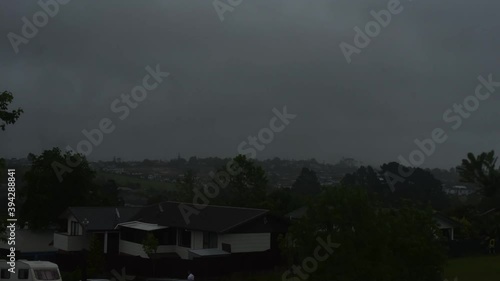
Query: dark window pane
23	274
4	274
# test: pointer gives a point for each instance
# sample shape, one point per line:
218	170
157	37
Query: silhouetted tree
150	246
246	187
8	116
96	260
46	197
362	241
185	186
307	183
481	170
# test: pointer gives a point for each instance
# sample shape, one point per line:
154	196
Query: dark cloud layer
226	77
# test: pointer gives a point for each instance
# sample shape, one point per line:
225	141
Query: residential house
213	232
459	190
82	222
446	224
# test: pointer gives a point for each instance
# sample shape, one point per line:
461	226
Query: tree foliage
307	183
8	116
150	244
481	170
392	187
246	188
96	260
185	186
46	197
375	243
281	201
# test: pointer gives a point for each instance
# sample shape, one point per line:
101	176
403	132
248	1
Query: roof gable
103	218
205	218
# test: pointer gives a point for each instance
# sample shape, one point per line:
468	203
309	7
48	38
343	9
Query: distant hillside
134	182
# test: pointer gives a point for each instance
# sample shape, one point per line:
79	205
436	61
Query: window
184	238
209	240
132	235
167	236
74	228
23	274
46	274
4	274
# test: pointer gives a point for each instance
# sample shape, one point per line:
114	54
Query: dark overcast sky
226	77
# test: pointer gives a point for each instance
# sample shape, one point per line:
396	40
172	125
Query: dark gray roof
297	214
443	217
102	218
210	218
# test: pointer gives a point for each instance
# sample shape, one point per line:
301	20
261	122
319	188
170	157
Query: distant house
459	190
216	231
446	224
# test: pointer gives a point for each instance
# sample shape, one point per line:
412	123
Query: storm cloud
227	76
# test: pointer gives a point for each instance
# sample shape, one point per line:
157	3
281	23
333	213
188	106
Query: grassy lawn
481	268
478	268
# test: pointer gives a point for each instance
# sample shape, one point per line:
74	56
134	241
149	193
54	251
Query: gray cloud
227	76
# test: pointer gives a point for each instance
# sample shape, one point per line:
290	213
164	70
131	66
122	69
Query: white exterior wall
70	219
69	243
196	240
182	252
246	242
136	249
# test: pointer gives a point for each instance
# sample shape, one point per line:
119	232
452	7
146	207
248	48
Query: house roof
102	218
297	214
444	218
206	218
142	226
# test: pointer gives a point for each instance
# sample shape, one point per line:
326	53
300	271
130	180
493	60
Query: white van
30	271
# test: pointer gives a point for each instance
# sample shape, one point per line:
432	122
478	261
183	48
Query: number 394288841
11	196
